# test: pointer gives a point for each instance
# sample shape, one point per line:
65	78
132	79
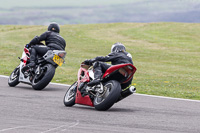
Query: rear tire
40	81
110	95
70	95
13	79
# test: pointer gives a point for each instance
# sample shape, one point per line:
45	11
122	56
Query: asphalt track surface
24	110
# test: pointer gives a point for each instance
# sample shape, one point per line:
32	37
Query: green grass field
166	55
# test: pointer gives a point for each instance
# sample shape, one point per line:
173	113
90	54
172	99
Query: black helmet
117	47
54	27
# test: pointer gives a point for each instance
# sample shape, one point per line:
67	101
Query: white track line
60	84
13	128
77	122
70	125
66	126
3	76
49	130
181	99
163	97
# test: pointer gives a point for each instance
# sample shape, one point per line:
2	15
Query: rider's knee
96	64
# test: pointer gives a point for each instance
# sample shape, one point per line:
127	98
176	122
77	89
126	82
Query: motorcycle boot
32	61
94	82
30	65
97	77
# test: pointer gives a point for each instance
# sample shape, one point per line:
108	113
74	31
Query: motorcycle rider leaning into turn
53	41
117	56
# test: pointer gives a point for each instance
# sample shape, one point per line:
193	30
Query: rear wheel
13	79
40	81
103	101
70	95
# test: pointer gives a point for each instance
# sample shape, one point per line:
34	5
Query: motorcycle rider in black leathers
52	39
117	56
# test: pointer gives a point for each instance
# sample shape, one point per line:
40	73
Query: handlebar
83	65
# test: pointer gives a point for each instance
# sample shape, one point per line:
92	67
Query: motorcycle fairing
55	57
23	62
83	100
83	76
127	70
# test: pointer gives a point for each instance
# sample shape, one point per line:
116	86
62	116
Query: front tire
13	79
70	95
104	101
40	81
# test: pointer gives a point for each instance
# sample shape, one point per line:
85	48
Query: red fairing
83	76
83	100
25	58
130	71
26	51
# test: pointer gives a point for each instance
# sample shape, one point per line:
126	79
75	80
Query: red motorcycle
105	94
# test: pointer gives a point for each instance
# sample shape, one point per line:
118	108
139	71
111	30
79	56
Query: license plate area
58	60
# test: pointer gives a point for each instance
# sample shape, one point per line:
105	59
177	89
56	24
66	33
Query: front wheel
70	95
103	101
13	79
40	81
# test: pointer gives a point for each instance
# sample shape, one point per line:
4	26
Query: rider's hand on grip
88	62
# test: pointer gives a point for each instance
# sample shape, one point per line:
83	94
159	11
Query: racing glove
89	62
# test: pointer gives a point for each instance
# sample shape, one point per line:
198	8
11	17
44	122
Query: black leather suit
115	58
52	40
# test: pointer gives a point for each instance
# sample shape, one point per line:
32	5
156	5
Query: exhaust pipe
127	93
132	89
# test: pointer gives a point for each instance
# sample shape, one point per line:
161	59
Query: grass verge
166	54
